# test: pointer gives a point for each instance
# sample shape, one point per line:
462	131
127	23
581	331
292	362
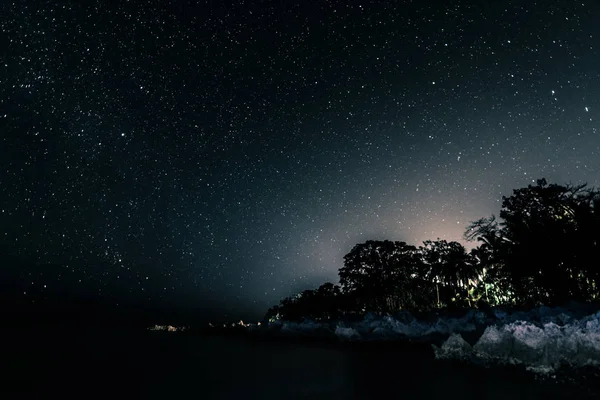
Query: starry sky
220	156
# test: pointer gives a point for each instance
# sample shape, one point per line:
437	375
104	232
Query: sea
112	364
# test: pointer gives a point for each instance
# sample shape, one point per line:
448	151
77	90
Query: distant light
587	109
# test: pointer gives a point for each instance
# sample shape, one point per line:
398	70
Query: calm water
163	365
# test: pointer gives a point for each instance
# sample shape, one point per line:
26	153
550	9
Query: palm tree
448	264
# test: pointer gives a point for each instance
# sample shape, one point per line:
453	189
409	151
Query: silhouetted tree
322	303
493	283
550	230
328	299
448	265
273	314
377	274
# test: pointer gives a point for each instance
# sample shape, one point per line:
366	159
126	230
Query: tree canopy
544	249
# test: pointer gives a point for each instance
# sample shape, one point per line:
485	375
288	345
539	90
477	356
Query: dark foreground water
69	364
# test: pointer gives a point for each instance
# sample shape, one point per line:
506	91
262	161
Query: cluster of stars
175	152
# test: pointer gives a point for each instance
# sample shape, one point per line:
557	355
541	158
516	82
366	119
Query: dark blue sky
213	155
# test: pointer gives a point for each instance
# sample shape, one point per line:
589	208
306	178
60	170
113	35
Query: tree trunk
487	299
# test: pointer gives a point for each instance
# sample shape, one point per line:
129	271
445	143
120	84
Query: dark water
71	364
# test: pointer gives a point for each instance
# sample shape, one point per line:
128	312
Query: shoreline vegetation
543	250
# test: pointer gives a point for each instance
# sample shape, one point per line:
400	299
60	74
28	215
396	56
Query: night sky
222	156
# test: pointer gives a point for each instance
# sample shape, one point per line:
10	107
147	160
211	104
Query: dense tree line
544	249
